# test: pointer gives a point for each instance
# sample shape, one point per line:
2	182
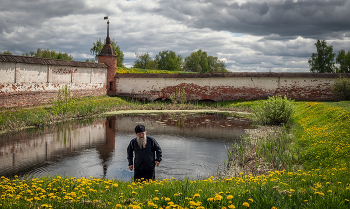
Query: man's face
141	135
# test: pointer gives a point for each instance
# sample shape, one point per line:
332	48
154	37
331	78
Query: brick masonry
27	81
111	62
228	86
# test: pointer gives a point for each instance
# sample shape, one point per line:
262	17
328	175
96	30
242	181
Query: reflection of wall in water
23	150
199	125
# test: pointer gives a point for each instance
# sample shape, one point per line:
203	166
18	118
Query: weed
178	96
341	88
274	111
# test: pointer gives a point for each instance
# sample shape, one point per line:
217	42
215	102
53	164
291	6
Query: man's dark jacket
144	158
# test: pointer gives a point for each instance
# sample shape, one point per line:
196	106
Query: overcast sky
248	35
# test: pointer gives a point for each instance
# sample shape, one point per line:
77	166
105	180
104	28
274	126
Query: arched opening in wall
162	99
207	101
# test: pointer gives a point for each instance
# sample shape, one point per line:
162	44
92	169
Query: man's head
141	135
140	128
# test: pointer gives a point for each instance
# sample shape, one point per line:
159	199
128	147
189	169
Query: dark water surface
194	146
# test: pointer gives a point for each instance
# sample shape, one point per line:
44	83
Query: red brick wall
111	62
41	97
228	86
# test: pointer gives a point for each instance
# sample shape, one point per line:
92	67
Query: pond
193	145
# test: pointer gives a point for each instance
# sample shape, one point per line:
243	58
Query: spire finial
108	40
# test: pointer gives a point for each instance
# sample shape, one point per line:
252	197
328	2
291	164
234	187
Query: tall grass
264	149
16	118
275	110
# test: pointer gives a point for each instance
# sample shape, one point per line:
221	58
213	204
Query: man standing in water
148	154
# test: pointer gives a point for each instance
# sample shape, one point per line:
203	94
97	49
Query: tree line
45	53
198	61
323	60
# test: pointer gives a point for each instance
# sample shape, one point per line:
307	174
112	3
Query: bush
341	88
274	111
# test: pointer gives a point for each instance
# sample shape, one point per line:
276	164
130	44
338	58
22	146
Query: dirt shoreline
118	112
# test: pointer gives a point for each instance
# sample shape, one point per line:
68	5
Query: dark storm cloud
32	13
307	18
59	25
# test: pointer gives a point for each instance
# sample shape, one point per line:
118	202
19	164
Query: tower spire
108	40
107	48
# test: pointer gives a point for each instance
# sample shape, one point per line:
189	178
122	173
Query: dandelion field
322	180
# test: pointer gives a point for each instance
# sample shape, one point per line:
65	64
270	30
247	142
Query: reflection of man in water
148	154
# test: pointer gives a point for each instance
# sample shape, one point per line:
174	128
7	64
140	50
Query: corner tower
109	58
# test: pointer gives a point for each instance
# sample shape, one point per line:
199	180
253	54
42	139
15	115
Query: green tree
216	66
90	60
97	48
144	61
50	54
343	59
6	52
199	61
168	60
323	60
152	65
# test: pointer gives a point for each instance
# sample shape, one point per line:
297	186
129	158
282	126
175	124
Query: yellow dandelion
229	197
245	204
192	203
251	200
218	197
231	207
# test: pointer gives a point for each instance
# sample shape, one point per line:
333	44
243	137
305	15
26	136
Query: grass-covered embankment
17	118
323	181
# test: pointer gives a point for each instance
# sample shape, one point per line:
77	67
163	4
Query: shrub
341	88
274	111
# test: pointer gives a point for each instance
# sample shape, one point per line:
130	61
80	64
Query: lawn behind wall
322	131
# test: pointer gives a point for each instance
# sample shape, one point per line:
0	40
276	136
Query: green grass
77	108
342	104
318	177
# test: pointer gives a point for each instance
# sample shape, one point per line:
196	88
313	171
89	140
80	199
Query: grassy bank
77	108
318	146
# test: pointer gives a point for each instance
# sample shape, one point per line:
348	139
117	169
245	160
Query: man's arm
158	151
130	154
